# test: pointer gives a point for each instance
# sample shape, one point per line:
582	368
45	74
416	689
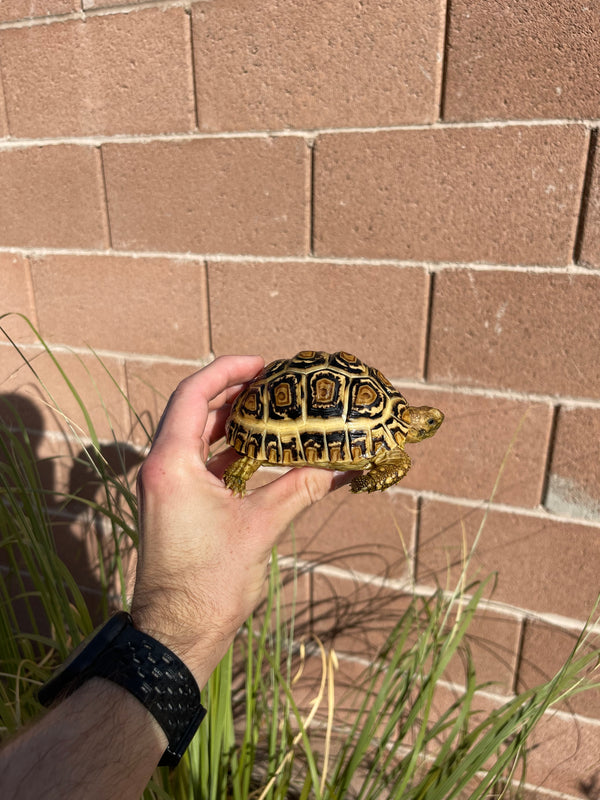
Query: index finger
184	420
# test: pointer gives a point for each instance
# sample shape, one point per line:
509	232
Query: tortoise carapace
327	410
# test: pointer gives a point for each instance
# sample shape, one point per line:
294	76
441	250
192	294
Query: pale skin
201	571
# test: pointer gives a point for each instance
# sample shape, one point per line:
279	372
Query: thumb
284	498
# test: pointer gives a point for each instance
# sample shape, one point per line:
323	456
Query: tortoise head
423	422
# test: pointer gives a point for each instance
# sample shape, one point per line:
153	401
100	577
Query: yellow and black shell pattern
317	408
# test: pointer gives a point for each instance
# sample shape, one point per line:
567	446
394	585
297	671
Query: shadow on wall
72	486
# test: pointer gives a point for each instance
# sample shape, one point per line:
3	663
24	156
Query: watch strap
146	669
160	681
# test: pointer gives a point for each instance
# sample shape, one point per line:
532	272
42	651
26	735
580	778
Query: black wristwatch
146	668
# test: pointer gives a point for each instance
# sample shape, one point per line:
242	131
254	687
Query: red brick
466	456
574	480
24	9
542	564
562	755
355	616
527	331
247	195
544	651
492	641
279	309
17	297
522	60
121	73
139	305
422	194
46	390
336	63
10	360
590	244
52	196
371	534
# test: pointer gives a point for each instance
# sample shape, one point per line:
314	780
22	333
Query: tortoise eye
431	421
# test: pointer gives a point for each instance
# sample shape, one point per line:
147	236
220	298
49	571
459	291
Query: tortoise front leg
236	474
387	470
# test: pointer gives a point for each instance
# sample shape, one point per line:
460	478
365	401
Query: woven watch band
159	680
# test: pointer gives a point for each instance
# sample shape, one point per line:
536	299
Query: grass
280	724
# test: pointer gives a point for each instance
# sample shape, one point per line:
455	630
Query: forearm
100	743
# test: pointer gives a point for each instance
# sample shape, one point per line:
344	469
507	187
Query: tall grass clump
280	724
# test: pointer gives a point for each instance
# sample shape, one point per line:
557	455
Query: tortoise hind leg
386	472
236	474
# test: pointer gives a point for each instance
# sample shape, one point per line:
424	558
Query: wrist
196	649
146	668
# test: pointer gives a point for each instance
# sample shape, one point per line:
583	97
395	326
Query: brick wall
416	182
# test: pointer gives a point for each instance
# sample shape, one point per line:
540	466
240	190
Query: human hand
204	552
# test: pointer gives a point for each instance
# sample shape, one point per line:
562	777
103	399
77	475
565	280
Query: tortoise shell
323	409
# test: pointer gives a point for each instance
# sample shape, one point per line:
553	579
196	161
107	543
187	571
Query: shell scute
357	443
273	368
379	377
285	397
252	403
308	358
337	446
366	399
253	444
289	450
381	438
326	394
347	363
314	446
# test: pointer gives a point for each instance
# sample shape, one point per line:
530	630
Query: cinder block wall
415	181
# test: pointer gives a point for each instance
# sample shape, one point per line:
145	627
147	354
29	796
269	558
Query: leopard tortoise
327	410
